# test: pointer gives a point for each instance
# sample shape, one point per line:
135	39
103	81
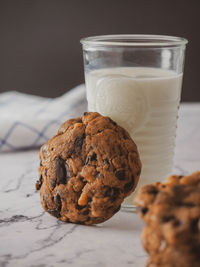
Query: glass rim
134	40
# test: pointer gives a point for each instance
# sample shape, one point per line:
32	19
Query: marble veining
30	237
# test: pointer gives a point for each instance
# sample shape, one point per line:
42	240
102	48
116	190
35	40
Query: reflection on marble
31	237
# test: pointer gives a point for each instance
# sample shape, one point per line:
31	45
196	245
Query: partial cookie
87	170
171	211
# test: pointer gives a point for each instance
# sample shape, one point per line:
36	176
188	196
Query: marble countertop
31	237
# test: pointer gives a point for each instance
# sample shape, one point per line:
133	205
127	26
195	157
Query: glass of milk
136	80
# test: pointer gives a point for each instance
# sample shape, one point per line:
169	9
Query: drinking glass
136	80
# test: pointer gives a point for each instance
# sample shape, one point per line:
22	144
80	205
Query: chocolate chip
194	225
54	212
120	150
62	171
178	188
187	204
138	173
79	222
151	190
93	157
97	175
129	186
52	183
85	212
85	113
195	252
80	207
58	202
112	193
166	219
40	163
176	223
79	141
144	210
113	122
120	174
82	179
39	183
107	191
117	209
106	161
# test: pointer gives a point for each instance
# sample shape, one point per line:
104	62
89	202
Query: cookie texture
171	211
87	170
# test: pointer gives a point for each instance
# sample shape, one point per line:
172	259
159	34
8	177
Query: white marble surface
30	237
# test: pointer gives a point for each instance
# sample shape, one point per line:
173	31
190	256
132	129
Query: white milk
145	102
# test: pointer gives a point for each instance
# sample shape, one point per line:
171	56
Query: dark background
40	51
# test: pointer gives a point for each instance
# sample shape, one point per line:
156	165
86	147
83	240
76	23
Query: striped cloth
28	121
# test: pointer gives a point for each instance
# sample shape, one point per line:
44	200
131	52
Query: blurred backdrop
40	51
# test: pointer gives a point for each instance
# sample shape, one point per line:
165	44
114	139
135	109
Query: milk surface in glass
145	102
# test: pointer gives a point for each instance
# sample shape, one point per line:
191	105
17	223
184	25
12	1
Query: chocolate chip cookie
171	211
87	170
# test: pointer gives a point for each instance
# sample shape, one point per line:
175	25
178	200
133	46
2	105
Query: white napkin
27	121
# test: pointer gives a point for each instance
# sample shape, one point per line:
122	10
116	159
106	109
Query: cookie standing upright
171	211
87	170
